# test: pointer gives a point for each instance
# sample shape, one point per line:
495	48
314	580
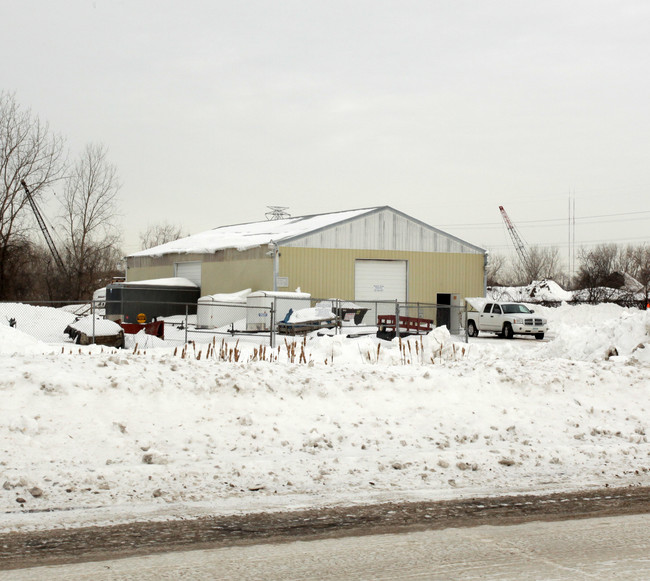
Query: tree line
84	193
88	238
601	272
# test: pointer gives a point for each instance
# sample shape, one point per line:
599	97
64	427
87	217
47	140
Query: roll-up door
189	270
380	280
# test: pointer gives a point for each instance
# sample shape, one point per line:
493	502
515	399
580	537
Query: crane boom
43	227
520	246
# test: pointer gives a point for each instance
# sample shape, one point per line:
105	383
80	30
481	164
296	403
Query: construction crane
43	226
519	244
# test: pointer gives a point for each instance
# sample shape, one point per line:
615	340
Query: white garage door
189	270
380	280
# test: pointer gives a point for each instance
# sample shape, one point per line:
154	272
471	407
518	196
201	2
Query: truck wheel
507	331
539	336
472	331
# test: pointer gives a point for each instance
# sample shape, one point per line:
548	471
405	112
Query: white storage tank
258	313
221	310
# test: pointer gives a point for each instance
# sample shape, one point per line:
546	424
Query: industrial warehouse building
369	254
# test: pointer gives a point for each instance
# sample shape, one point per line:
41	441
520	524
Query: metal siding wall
324	273
221	272
327	273
383	230
149	272
235	275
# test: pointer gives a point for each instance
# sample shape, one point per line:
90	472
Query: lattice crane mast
43	226
519	244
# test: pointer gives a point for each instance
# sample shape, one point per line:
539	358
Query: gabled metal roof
289	230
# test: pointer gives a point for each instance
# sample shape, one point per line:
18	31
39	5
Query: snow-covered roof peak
252	234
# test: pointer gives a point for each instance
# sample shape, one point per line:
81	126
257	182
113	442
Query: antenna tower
520	246
277	213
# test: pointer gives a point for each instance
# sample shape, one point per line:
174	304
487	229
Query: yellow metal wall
149	272
225	271
330	273
324	273
233	276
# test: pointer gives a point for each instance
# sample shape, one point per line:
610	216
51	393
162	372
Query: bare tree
29	151
90	222
602	270
495	270
596	266
160	233
542	264
640	267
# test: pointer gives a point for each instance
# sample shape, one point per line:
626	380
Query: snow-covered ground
98	435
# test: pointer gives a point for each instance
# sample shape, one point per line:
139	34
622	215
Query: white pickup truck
507	319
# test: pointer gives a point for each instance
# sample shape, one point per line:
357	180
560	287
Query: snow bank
15	341
126	433
44	323
591	332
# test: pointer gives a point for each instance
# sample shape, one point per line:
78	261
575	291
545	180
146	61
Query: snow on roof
238	297
173	281
100	327
251	235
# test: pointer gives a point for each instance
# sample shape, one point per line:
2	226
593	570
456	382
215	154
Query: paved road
67	546
25	549
601	548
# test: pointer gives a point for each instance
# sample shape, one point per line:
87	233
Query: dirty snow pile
98	435
548	291
537	291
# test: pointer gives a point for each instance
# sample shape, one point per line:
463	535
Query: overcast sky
213	110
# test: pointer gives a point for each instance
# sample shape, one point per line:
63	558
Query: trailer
145	301
221	310
387	327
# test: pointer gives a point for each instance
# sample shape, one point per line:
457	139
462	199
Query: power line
564	244
559	221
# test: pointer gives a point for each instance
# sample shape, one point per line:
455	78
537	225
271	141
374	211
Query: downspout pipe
275	252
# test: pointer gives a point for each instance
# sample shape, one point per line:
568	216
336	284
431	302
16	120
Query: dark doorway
443	312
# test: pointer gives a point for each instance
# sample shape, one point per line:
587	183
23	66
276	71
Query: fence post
92	314
339	310
396	319
186	321
272	323
466	335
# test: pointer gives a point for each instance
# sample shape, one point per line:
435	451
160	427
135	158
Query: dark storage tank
145	300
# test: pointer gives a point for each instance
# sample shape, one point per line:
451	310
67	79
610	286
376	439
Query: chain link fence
211	321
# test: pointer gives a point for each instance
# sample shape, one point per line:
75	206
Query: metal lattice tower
277	213
519	244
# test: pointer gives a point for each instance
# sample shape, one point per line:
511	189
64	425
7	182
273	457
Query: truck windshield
510	309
